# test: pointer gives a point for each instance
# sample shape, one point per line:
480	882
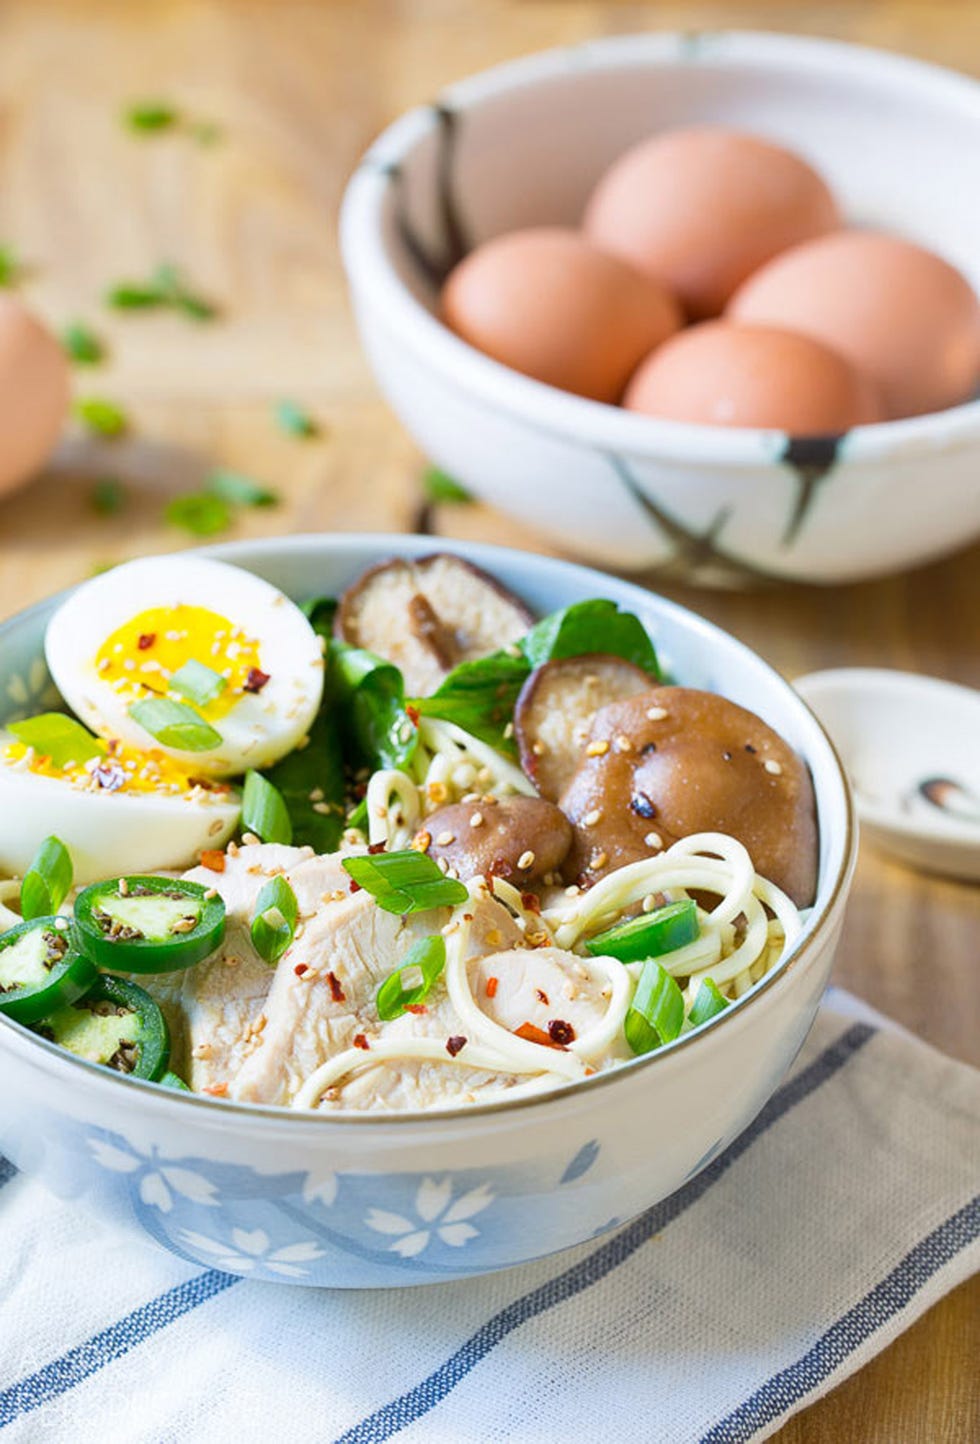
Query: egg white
106	833
262	726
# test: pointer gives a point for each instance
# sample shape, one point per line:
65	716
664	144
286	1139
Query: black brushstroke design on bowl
454	245
812	459
950	797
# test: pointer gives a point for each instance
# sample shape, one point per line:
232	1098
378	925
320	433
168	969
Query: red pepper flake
217	1090
531	902
256	679
353	886
455	1045
561	1032
541	996
336	991
213	859
300	969
361	1042
412	713
375	847
500	867
492	985
532	1034
585	881
146	640
419	1009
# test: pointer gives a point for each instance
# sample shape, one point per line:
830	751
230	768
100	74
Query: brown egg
33	393
701	209
547	303
719	374
906	318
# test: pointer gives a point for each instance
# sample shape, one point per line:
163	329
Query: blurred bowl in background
523	144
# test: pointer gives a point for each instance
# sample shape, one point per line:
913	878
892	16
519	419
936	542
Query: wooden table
299	89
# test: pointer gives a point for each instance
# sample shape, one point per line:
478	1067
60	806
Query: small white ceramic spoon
911	747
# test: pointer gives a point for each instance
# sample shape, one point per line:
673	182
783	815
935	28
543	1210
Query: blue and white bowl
372	1201
524	144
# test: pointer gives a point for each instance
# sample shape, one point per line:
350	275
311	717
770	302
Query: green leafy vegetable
200	513
294	420
310	781
440	487
171	1080
405	882
707	1004
108	496
274	919
264	811
61	738
370	695
150	117
174	724
47	882
239	490
320	612
198	683
103	417
657	1011
479	696
591	626
412	980
82	344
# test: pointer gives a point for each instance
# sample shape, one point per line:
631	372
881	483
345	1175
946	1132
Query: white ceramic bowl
369	1201
524	144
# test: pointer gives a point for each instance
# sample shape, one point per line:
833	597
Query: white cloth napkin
846	1209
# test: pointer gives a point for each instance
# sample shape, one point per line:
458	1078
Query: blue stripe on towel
885	1300
431	1391
7	1171
87	1358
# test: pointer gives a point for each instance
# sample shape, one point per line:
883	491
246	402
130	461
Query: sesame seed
442	865
591	818
445	839
509	731
656	714
772	767
316	795
476	820
623	743
323	808
526	859
653	839
123	887
597	749
649	902
249	839
538	748
599	861
573	890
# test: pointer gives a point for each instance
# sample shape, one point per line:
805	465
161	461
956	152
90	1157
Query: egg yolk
142	655
120	769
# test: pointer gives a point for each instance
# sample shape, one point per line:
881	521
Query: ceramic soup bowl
377	1200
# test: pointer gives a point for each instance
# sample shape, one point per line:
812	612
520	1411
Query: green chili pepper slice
116	1024
148	924
650	935
41	969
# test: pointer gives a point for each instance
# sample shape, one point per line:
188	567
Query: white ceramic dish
911	746
524	143
378	1200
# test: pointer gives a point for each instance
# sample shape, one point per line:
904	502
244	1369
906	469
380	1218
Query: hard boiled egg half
116	810
197	660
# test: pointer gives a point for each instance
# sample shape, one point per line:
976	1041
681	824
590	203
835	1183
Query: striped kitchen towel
846	1209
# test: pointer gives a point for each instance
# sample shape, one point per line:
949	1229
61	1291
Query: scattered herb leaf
11	269
103	417
291	418
440	487
240	490
108	496
205	132
82	344
200	512
149	117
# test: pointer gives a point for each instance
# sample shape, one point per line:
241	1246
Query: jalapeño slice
650	935
116	1024
41	969
148	924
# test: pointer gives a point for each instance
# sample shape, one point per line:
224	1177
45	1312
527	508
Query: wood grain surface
299	89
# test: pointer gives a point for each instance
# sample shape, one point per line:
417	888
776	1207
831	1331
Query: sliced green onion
201	513
709	1002
82	344
174	724
405	882
240	490
61	738
412	979
650	935
198	683
264	811
274	920
440	487
171	1080
151	116
292	419
47	882
103	417
656	1014
108	496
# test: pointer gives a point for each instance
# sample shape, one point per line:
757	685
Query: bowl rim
485	555
592	423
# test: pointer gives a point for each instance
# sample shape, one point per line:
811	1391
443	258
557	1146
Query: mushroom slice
522	839
554	713
676	761
426	616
